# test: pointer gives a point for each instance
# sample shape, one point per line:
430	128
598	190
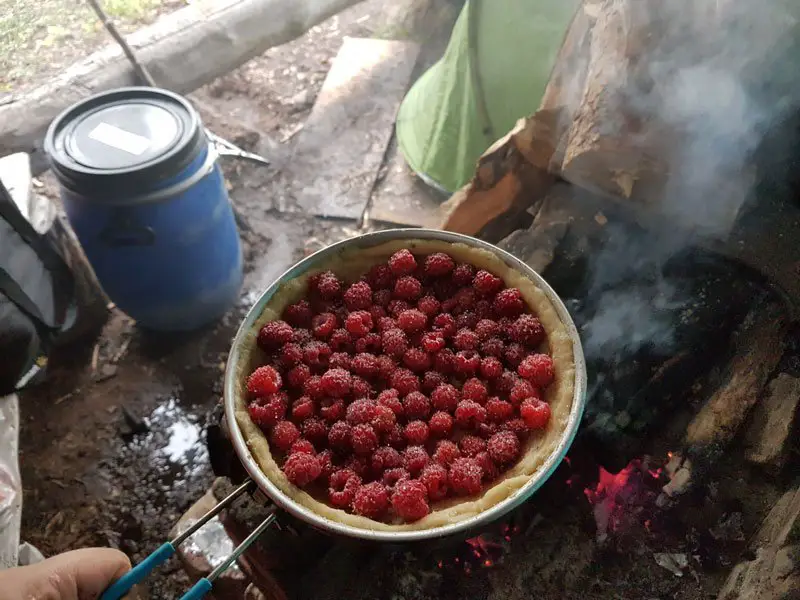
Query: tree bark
183	51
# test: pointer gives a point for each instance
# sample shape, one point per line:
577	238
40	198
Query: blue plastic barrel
143	191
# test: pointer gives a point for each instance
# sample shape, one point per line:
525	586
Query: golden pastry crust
351	264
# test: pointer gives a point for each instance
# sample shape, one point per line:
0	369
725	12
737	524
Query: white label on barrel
113	136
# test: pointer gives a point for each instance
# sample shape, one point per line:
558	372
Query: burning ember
620	499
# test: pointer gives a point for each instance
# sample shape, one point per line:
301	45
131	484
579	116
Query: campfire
629	191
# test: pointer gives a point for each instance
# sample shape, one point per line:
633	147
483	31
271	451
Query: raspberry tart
406	386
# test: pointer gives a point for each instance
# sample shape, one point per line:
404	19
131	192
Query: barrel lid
127	138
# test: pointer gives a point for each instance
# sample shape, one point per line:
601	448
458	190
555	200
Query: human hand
77	575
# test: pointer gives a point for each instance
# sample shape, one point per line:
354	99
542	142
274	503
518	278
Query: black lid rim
79	178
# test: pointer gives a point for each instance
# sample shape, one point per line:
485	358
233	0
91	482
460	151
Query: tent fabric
494	72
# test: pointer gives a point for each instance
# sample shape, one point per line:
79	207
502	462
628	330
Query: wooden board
400	197
342	146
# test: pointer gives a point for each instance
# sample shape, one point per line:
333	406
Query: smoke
712	78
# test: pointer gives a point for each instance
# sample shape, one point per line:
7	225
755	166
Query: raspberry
315	430
386	323
449	305
527	330
416	432
343	486
444	361
340	360
517	426
471	445
466	339
358	296
397	306
361	411
365	365
302	446
384	419
440	424
385	458
446	452
538	369
358	465
412	320
463	274
283	435
266	415
433	341
395	437
364	439
402	262
428	305
417	359
332	410
326	462
372	500
341	341
302	336
327	285
323	325
410	501
485	283
445	397
503	447
298	314
486	329
465	476
467	362
493	347
313	387
407	288
395	342
298	375
468	414
291	355
445	323
361	388
522	390
369	343
263	382
487	430
509	303
416	406
389	398
316	354
415	458
336	383
301	469
466	320
514	354
504	324
380	277
432	380
483	309
386	367
339	436
377	312
491	368
434	477
391	477
490	470
475	390
498	410
302	408
439	264
274	334
359	323
505	383
404	381
536	413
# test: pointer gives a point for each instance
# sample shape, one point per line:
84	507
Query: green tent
494	72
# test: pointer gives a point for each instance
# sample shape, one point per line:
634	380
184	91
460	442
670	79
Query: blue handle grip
138	573
199	590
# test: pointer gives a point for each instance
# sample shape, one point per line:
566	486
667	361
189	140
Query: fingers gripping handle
138	573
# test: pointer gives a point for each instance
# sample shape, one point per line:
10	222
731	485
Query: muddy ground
112	445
